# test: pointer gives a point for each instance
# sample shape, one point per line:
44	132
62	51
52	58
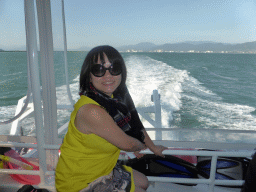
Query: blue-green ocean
198	90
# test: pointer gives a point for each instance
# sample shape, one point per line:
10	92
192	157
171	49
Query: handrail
201	130
211	181
28	142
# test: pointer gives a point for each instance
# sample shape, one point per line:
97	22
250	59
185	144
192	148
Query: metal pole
35	82
47	77
213	172
158	116
65	55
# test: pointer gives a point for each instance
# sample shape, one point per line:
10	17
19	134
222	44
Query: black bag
30	188
170	166
4	150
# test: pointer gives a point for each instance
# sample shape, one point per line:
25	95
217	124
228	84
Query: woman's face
107	83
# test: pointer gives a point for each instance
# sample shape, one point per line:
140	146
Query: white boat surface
47	150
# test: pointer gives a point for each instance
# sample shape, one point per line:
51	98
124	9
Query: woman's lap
120	179
138	181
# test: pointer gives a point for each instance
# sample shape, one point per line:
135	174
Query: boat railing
156	109
15	126
211	181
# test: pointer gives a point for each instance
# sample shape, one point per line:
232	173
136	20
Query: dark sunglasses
98	70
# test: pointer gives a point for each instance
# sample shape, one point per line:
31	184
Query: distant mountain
197	46
198	42
187	46
244	46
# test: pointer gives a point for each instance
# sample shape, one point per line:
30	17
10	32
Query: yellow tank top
84	157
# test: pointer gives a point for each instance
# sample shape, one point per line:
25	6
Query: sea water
198	90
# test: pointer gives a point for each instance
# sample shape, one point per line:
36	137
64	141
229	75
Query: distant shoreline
12	51
134	51
182	47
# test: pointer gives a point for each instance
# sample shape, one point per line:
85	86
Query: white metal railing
16	128
211	181
32	52
29	145
156	108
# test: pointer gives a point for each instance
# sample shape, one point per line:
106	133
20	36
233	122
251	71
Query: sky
129	22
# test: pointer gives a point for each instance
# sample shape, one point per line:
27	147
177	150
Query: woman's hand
138	154
158	150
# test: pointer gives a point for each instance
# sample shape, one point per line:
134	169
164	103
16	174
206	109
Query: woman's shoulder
85	100
91	110
87	115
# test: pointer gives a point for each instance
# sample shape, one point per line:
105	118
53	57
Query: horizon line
23	47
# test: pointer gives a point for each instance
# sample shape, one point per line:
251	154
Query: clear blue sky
126	22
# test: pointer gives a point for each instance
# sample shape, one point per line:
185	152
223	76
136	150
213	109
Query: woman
104	121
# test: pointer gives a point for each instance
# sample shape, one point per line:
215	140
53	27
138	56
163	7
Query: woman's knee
140	180
137	189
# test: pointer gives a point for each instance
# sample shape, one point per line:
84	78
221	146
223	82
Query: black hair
92	58
121	92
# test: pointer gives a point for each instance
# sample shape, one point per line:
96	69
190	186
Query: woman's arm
156	149
93	119
136	122
149	143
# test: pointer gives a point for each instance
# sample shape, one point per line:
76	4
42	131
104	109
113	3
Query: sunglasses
98	70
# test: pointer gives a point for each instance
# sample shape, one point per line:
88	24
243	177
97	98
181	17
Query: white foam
195	86
223	77
6	113
218	114
3	82
13	74
145	75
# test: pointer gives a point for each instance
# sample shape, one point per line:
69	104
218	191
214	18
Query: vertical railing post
31	41
158	116
213	172
48	77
